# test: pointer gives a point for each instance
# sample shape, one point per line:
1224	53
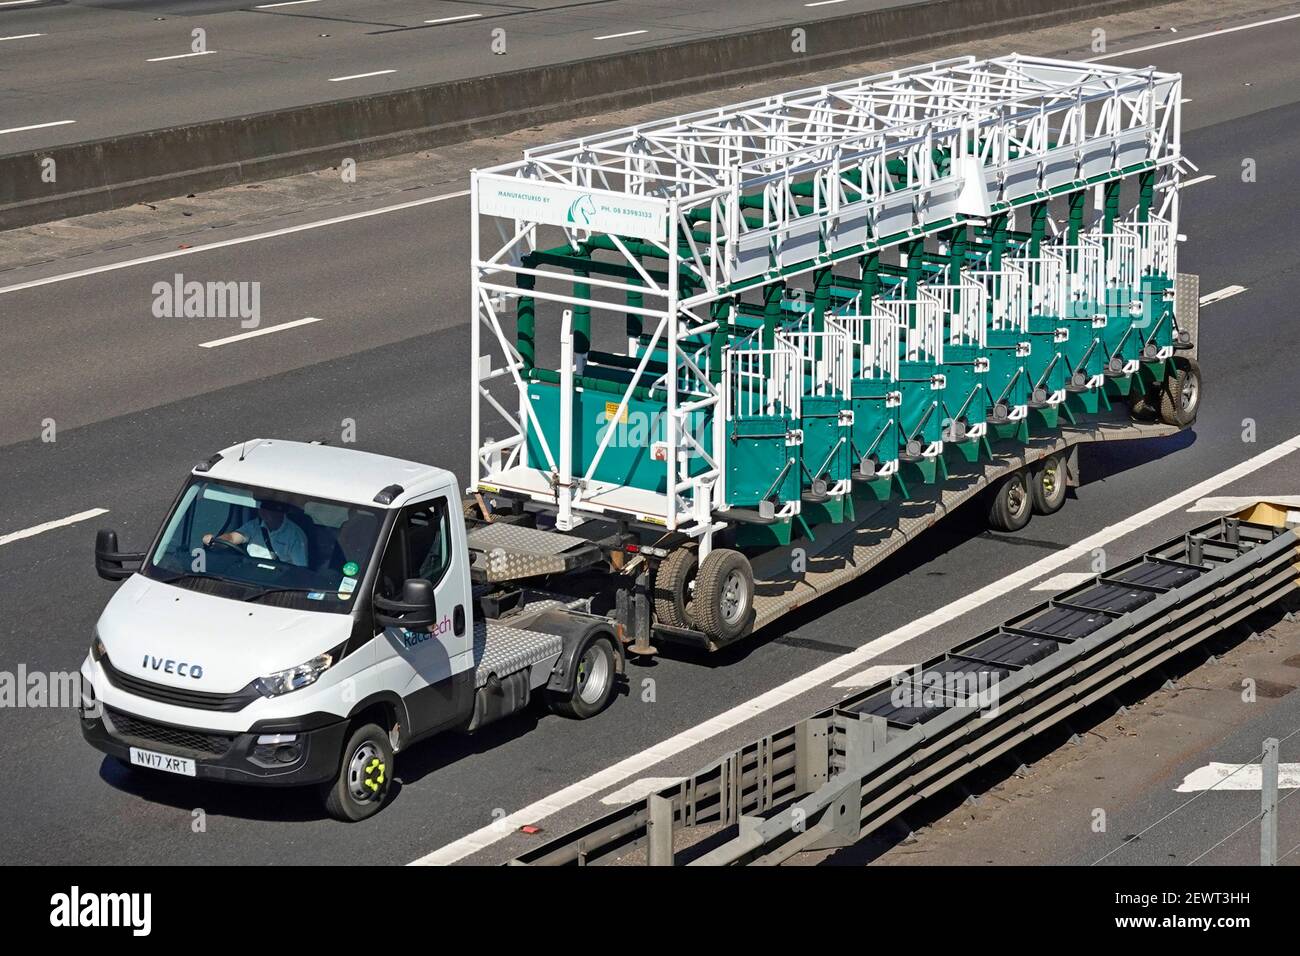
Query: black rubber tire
1047	485
1146	407
1180	398
672	591
583	700
724	595
1010	503
338	795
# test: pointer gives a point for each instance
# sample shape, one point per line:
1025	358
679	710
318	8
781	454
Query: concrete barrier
140	167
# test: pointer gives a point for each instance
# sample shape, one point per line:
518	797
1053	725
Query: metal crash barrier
842	773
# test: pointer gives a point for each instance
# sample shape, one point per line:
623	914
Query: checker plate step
500	551
500	649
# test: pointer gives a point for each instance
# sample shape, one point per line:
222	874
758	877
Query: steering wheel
229	544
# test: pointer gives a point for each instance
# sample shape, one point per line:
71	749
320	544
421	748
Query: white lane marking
23	129
874	675
1236	776
359	76
282	3
254	334
1066	579
463	16
179	56
51	525
823	3
1239	503
639	763
1199	179
17	3
1226	292
638	790
1199	36
224	243
22	36
615	36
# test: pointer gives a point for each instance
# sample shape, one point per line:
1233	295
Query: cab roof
323	471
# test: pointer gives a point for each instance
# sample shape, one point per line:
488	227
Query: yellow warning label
611	410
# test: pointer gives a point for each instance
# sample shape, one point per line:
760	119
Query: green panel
965	394
826	452
919	414
756	454
628	457
1049	360
875	426
764	535
1008	376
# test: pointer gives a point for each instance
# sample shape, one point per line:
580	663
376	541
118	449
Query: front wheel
593	685
364	778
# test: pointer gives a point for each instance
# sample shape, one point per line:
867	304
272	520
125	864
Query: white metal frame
813	168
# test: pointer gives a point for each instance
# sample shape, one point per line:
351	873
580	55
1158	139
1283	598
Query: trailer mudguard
574	627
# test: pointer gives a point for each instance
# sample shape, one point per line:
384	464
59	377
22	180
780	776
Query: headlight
97	649
295	678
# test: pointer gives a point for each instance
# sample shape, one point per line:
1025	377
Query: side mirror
416	609
111	564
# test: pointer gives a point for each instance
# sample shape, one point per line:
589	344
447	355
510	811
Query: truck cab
306	612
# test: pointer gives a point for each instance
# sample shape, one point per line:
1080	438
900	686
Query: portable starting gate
822	292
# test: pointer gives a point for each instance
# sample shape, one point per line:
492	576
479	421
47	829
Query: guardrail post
659	831
811	754
862	738
1268	805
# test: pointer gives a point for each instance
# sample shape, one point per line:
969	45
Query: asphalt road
137	403
1205	827
88	69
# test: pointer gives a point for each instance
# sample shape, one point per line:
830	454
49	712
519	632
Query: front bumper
223	756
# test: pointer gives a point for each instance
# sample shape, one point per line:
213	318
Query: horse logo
582	210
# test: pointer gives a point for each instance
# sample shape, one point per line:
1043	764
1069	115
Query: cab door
432	668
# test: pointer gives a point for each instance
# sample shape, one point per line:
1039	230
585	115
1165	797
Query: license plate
166	762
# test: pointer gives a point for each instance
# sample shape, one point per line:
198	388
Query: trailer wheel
1180	399
674	580
364	778
1146	407
593	685
1011	505
1047	485
724	595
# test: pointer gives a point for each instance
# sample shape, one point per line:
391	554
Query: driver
271	529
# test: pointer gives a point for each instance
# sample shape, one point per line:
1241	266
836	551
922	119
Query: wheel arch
574	628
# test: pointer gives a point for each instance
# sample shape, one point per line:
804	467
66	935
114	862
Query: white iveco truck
306	612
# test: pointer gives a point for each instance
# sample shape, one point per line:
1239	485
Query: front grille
179	696
176	738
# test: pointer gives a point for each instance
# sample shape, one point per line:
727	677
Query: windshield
266	546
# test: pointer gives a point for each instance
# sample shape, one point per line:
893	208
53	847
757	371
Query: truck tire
674	579
364	778
1146	406
1180	398
593	685
1010	506
1047	485
724	595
